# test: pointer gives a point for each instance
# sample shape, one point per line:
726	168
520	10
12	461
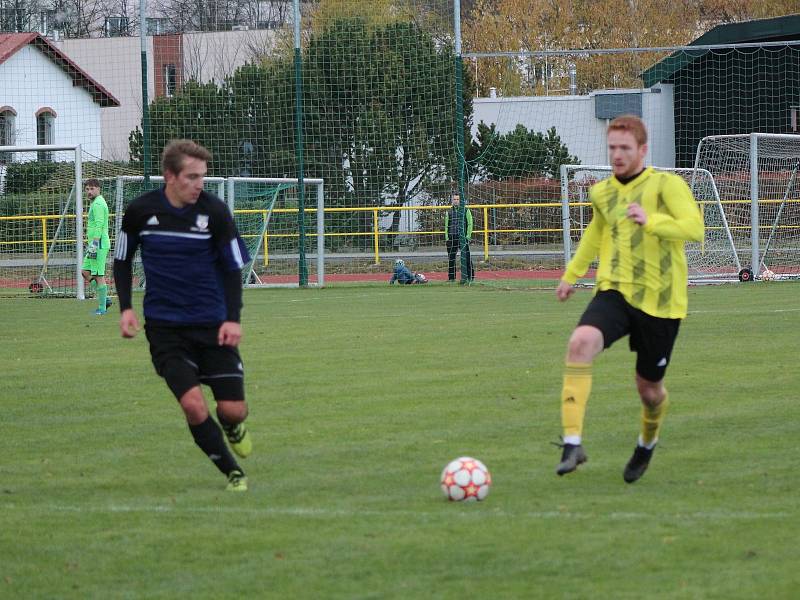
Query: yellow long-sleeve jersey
646	264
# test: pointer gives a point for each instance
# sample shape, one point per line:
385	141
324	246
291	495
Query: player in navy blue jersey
192	257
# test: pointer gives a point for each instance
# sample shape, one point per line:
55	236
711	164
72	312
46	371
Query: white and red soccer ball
767	275
466	479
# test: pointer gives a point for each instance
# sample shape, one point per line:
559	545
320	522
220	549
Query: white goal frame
566	219
77	191
756	257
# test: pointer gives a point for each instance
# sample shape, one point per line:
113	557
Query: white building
172	59
581	121
45	98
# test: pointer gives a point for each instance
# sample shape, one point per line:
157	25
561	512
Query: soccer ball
467	479
767	275
420	277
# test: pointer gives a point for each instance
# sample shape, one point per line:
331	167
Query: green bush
26	177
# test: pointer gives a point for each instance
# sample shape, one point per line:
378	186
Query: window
116	26
170	80
8	119
47	22
158	26
12	20
45	124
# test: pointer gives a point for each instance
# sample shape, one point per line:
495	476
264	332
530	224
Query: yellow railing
376	233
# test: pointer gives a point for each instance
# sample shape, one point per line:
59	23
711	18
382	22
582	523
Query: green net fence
373	99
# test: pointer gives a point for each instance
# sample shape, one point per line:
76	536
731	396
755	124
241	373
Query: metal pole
565	216
754	262
298	98
459	128
81	291
145	107
320	235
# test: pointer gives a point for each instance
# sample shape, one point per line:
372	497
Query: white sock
649	446
575	440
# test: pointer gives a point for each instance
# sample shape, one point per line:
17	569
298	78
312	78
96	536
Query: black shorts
188	356
652	338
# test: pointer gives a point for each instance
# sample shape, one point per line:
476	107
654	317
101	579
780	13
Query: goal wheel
745	275
35	287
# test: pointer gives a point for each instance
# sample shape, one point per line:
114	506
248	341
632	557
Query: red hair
632	124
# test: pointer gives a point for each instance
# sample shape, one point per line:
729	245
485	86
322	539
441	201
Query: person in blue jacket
402	274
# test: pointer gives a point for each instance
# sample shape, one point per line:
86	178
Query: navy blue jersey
185	253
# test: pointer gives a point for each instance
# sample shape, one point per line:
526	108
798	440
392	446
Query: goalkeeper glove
91	249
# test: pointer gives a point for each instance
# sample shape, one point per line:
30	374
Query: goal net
41	240
714	258
266	213
757	179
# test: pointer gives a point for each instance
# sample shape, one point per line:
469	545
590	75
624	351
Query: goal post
713	259
267	207
265	211
756	175
41	240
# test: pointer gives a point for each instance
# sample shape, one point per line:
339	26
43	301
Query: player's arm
234	256
127	242
230	332
587	251
102	223
94	223
684	221
92	232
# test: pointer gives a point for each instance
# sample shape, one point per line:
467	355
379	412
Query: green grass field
359	396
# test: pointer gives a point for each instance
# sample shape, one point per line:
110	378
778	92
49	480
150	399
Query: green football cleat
99	312
239	439
237	481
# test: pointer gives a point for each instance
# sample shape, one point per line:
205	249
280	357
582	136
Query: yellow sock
574	395
651	421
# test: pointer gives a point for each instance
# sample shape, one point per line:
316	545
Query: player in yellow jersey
640	221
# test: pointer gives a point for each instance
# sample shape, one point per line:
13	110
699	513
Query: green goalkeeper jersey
97	222
647	265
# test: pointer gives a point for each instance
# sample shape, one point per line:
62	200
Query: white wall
115	63
29	81
576	124
214	56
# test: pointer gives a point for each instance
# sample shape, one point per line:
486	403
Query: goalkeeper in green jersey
94	261
641	219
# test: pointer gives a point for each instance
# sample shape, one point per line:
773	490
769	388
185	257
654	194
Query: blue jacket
402	274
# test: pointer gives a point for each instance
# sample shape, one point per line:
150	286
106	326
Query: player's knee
584	344
194	406
652	394
232	411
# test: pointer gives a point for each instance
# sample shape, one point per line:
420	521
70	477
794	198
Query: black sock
208	436
226	427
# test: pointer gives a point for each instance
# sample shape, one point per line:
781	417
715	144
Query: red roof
11	43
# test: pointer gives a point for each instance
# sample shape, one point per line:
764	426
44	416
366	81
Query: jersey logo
662	362
201	223
152	220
